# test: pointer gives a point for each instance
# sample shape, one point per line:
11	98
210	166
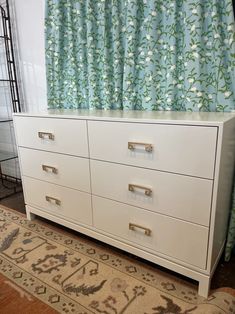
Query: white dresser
156	184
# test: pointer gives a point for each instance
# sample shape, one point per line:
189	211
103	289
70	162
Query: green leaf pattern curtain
141	55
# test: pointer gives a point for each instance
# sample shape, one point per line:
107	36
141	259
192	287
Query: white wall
27	20
28	17
7	141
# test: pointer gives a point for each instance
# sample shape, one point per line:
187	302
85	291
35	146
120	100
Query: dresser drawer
59	201
175	148
179	196
54	135
69	171
181	240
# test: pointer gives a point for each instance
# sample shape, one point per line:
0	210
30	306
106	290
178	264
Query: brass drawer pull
132	187
147	147
44	135
53	169
52	199
147	231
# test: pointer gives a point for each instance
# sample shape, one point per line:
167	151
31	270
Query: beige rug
75	275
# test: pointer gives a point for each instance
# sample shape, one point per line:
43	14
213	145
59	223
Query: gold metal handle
147	147
132	187
48	135
147	231
53	169
52	199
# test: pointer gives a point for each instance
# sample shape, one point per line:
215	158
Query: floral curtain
141	54
230	245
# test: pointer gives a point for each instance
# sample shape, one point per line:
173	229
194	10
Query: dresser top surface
175	117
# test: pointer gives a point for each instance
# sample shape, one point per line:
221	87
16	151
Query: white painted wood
204	287
72	172
136	116
216	262
194	254
70	140
175	195
223	183
186	270
30	216
75	205
175	148
175	238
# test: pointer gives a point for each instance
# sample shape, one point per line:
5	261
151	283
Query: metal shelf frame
11	67
9	183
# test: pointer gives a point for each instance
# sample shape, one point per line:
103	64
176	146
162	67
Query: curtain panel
142	55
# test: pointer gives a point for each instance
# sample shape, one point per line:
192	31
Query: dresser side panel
223	184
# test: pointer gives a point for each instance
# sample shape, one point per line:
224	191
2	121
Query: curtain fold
137	54
141	55
230	245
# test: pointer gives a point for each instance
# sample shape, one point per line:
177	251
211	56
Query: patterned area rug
76	275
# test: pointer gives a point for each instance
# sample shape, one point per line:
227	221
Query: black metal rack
7	37
9	184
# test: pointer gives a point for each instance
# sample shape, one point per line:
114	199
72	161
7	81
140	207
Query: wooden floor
13	300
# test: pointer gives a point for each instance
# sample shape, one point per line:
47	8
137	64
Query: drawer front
60	201
55	135
68	171
175	238
183	197
175	148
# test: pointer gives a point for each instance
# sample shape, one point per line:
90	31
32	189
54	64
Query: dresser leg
29	215
204	287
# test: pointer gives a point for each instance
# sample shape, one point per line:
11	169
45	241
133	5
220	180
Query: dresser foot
29	215
204	287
